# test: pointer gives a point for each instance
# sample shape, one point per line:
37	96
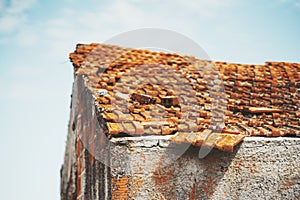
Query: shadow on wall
190	178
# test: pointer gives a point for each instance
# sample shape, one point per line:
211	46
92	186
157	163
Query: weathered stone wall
69	168
260	168
136	167
85	172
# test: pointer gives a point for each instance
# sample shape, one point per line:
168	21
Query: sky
36	77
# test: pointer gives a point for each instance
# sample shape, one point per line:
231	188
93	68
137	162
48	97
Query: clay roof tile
159	98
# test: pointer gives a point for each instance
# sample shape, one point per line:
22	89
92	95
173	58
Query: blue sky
36	75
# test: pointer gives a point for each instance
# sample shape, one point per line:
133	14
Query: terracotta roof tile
261	100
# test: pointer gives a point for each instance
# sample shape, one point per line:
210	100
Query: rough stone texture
260	168
82	176
69	168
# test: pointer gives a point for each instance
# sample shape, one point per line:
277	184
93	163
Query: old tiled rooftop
141	92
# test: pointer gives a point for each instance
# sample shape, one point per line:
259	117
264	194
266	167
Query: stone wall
259	168
145	167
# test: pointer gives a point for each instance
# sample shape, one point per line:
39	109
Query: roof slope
141	92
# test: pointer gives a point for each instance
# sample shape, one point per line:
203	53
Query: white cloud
2	5
208	8
117	16
27	37
18	6
106	19
9	23
295	3
13	14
